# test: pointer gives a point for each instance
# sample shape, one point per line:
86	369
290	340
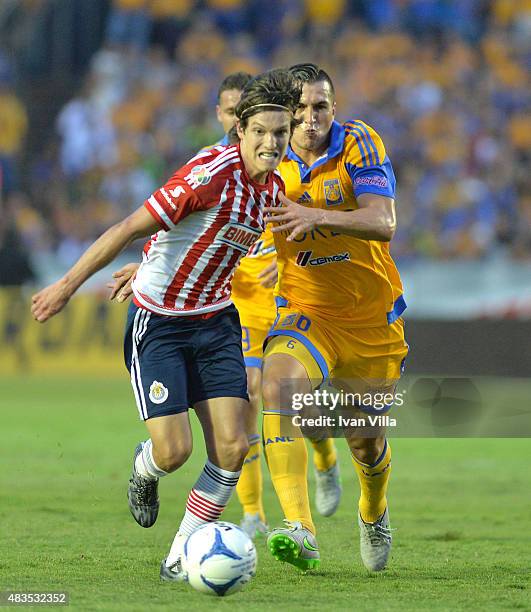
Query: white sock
176	549
208	498
145	464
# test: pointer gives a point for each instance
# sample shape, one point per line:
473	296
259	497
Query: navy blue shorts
175	362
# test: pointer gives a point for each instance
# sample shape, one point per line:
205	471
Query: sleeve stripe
160	212
362	126
366	157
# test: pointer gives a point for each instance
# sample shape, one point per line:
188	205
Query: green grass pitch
461	509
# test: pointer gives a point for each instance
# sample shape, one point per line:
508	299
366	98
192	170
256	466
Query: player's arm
50	300
375	219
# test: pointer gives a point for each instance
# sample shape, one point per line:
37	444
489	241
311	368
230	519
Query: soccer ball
219	559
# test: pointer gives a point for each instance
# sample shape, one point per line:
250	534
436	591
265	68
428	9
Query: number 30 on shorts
301	322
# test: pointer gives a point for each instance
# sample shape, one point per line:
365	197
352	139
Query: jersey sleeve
366	161
182	194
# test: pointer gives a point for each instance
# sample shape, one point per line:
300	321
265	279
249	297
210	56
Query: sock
208	498
287	459
145	464
325	454
249	486
373	483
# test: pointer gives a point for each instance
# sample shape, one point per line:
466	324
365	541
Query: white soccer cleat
253	525
173	573
375	542
327	490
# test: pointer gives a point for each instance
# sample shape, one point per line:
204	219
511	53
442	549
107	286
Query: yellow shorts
358	359
254	332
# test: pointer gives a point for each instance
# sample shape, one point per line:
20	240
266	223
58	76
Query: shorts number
303	323
246	339
291	344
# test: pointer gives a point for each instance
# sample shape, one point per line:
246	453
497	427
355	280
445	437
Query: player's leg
285	448
287	459
379	355
158	377
328	487
249	487
372	461
218	391
223	422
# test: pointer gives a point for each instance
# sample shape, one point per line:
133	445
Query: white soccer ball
219	559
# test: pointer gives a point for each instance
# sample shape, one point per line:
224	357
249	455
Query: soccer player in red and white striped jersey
183	337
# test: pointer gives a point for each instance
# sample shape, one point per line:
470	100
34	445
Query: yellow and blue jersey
340	278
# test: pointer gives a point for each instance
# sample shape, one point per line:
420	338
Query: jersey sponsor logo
374	180
238	236
304	258
201	175
158	393
305	198
332	191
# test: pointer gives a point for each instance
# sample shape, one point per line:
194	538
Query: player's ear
218	112
239	129
334	109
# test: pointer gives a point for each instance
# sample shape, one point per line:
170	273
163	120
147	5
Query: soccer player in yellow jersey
340	302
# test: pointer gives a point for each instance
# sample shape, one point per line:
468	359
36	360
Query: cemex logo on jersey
304	258
239	236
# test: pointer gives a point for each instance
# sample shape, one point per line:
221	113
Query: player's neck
309	157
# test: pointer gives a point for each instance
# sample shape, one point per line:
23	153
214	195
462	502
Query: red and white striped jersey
211	214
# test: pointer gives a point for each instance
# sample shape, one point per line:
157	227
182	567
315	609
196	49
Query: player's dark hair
311	73
235	80
275	87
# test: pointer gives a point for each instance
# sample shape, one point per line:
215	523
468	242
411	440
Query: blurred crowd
443	81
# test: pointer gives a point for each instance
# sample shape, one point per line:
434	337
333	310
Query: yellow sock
325	454
249	487
373	483
287	459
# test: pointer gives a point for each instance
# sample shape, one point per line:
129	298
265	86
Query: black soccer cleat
142	495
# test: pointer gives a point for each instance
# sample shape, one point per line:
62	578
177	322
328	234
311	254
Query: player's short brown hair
277	88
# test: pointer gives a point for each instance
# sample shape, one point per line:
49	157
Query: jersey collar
224	141
337	140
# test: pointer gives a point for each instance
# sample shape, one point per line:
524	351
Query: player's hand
293	217
121	287
49	301
269	275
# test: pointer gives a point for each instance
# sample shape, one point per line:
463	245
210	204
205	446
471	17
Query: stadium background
100	100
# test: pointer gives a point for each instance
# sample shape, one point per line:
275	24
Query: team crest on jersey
201	175
158	393
332	191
